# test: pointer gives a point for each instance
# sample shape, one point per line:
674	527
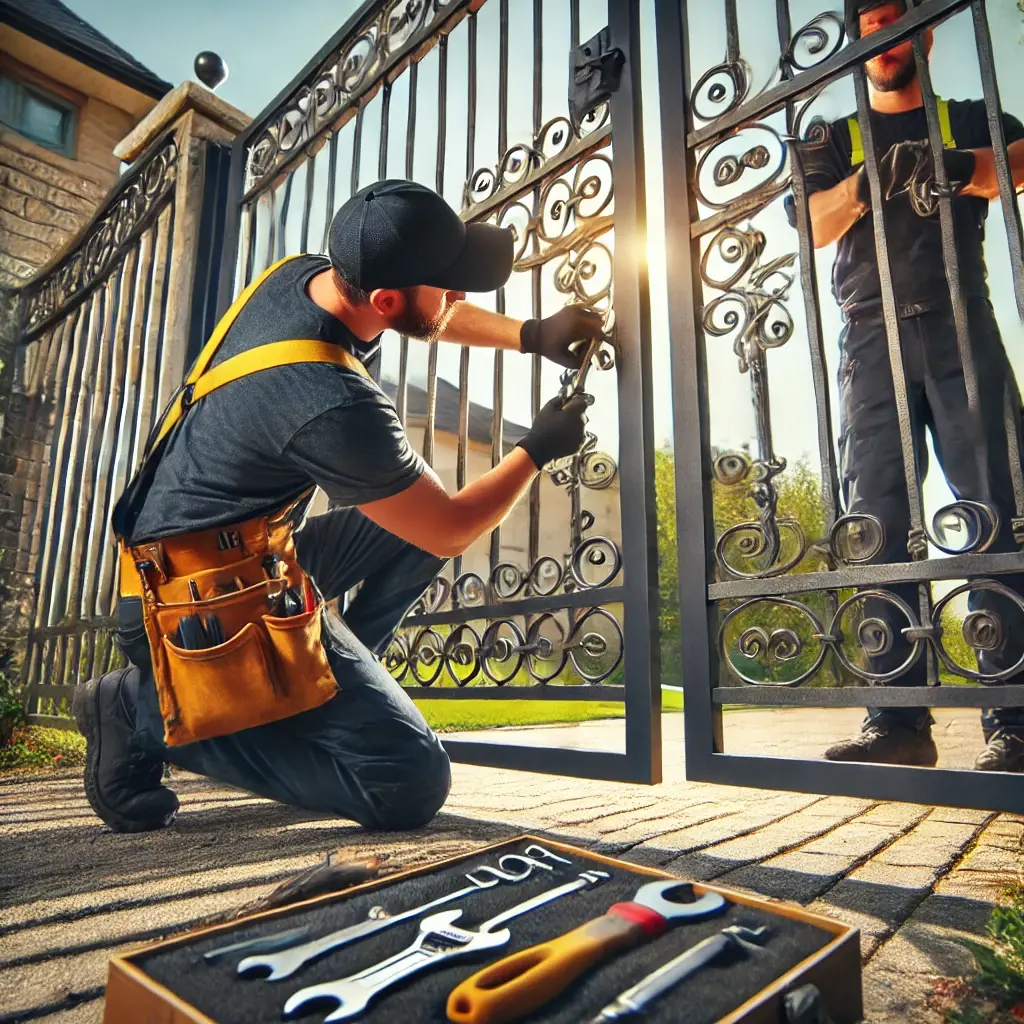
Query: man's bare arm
471	325
983	182
446	525
834	211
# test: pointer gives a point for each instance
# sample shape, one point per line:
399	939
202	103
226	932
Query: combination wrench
512	868
439	941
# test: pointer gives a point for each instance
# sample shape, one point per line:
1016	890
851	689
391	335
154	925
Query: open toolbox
172	982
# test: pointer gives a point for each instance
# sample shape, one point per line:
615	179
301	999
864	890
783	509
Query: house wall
46	198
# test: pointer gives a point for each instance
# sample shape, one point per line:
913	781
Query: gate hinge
596	72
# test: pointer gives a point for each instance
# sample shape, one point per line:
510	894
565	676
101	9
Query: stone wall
45	200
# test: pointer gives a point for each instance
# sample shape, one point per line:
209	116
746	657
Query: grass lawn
459	715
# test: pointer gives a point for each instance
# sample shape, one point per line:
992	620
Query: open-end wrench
512	868
439	941
516	985
636	999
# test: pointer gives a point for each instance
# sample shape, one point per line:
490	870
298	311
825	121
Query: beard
417	324
892	80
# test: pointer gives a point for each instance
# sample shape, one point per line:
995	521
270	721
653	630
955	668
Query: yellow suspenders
857	156
202	380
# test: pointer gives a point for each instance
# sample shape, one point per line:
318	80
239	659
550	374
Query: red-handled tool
517	985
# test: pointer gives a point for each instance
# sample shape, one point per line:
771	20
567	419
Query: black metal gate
561	604
769	612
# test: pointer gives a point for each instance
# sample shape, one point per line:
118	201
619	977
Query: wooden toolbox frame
132	997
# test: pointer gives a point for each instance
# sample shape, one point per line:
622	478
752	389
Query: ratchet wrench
512	868
636	999
439	941
523	982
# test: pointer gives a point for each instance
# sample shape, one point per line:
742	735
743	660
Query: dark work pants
367	754
873	475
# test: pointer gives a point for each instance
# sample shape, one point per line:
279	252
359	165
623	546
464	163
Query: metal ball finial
210	69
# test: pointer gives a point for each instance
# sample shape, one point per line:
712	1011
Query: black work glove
557	431
909	167
553	336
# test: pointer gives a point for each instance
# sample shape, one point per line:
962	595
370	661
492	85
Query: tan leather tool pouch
268	667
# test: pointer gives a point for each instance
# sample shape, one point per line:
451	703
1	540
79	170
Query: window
38	115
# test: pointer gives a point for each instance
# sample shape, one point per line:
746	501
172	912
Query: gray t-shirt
257	443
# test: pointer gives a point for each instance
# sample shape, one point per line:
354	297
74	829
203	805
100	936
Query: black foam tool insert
706	997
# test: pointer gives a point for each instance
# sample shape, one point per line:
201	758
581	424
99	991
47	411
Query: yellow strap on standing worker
201	381
857	142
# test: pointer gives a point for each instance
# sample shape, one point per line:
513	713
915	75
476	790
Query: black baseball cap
398	234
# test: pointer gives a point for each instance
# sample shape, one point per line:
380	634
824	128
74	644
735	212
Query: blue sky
266	42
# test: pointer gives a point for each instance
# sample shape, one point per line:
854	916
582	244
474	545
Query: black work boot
122	781
887	743
1004	753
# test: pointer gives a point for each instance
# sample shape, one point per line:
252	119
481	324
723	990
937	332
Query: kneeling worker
237	670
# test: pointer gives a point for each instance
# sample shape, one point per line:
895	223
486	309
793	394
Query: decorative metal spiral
719	90
461	654
594	655
426	656
780	645
546	642
746	163
501	651
983	629
822	37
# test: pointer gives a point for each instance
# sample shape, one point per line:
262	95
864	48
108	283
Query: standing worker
870	447
237	669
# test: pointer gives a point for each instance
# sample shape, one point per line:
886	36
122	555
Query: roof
446	412
52	23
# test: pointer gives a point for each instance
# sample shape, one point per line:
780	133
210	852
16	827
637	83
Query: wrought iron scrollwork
752	311
548	148
853	637
340	81
105	240
591	643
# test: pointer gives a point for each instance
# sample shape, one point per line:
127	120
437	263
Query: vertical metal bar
402	397
282	228
641	654
92	526
809	287
1014	236
249	243
67	569
385	113
498	421
113	484
574	23
271	197
463	442
43	535
357	150
154	327
917	544
307	205
442	144
533	539
1004	175
332	171
951	262
690	409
